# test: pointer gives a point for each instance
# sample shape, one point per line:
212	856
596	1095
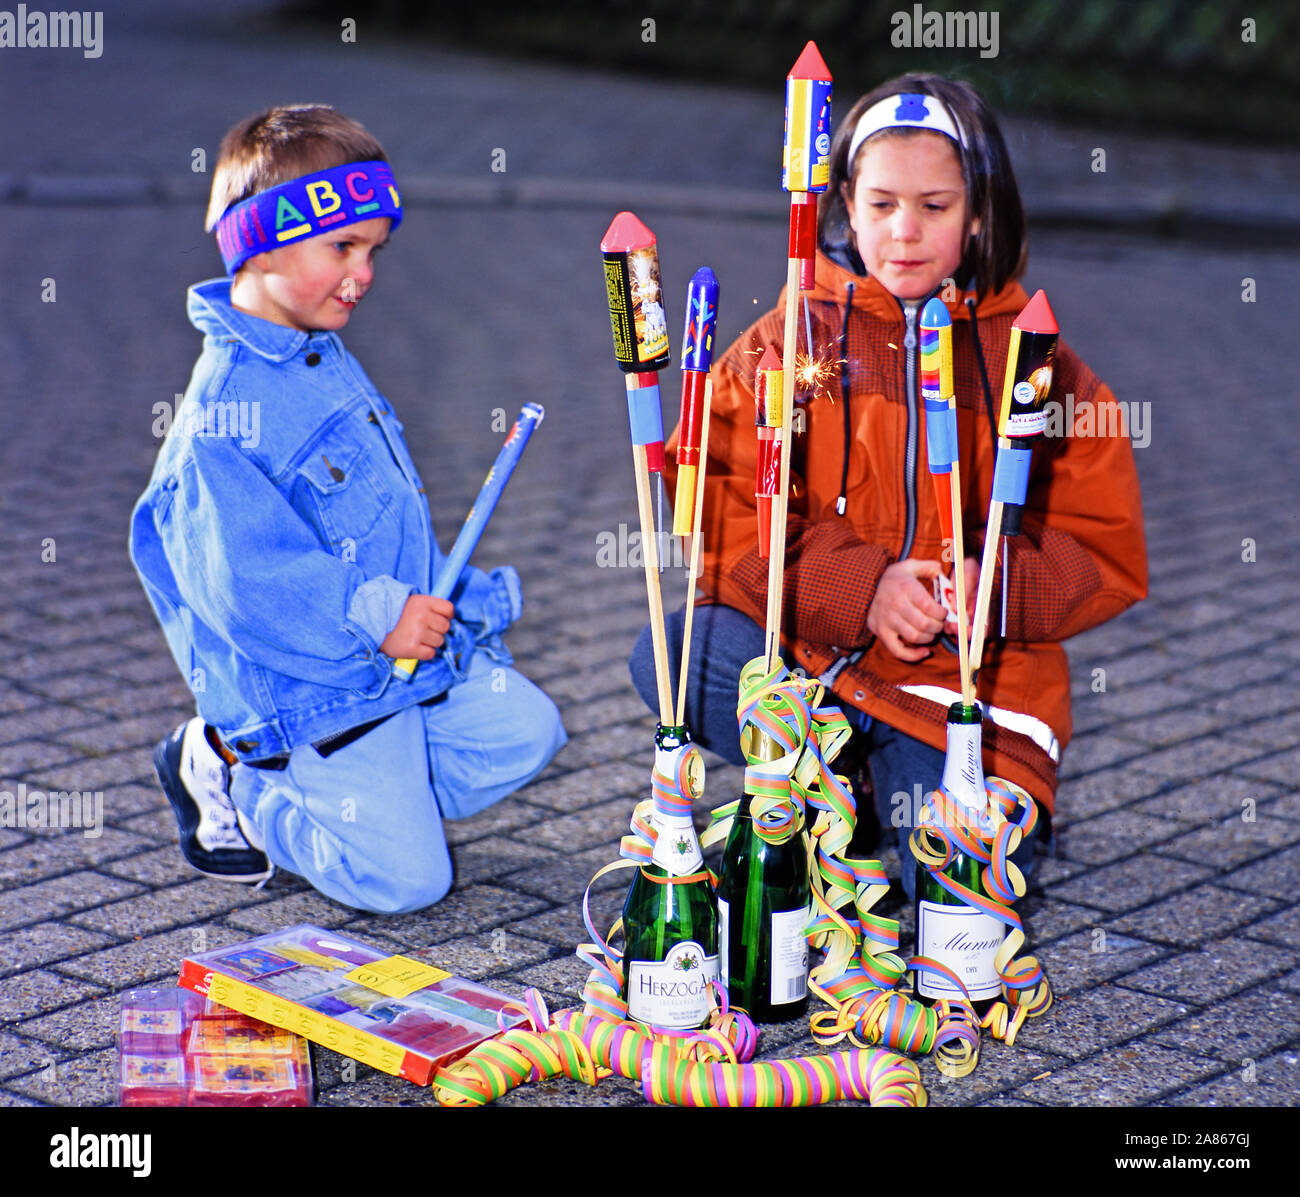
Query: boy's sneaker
215	838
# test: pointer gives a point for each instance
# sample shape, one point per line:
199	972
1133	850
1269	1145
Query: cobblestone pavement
1167	920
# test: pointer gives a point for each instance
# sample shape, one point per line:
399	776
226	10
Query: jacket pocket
344	493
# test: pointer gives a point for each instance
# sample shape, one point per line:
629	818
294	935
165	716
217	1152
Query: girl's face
907	207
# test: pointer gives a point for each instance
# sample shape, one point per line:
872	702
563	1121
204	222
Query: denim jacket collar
208	307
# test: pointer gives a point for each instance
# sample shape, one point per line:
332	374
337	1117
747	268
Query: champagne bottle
763	901
671	928
947	929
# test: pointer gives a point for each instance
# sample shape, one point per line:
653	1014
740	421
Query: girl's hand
972	571
904	615
421	629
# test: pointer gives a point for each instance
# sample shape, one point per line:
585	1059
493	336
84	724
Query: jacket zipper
909	459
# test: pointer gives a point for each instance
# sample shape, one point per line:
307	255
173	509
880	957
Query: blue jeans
364	825
903	769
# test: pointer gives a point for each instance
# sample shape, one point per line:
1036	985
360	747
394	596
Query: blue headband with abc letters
307	207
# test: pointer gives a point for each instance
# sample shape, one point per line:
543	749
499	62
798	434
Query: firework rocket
640	329
472	530
768	387
697	357
1026	386
806	159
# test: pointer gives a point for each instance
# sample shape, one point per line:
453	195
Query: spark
813	373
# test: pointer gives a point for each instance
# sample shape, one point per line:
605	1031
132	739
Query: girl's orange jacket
1080	560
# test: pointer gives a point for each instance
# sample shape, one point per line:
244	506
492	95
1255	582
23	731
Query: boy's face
314	284
907	207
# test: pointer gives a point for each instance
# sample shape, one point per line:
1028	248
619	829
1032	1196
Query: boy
287	567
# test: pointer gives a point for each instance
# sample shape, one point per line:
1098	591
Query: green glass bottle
947	929
763	909
671	931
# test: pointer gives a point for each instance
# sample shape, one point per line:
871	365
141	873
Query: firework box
176	1049
394	1013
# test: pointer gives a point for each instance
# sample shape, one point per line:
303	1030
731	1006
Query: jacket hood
870	296
207	304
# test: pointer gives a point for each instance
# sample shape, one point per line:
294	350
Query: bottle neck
963	765
677	847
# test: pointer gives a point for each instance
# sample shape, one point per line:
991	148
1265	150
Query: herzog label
674	992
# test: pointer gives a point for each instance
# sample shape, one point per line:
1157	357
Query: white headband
906	110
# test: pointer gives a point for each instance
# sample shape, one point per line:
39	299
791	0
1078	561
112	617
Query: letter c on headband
369	186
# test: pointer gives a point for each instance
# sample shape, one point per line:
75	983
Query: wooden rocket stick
650	559
695	552
781	508
959	580
988	565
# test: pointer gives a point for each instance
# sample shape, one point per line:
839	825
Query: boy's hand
972	571
421	629
904	614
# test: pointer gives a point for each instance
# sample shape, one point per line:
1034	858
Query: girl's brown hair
281	144
997	253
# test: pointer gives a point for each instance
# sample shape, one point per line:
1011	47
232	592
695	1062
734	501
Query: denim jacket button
313	358
245	745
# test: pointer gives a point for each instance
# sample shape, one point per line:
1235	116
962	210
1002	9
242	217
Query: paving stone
474	909
146	961
157	868
82	1027
39	990
509	815
1214	799
1246	1026
19	1056
1274	875
999	1068
1196	916
47	943
1199	760
1280	732
574	791
1213	973
605	823
1171	728
1282	928
1233	842
564	879
61	896
1115	835
1129	884
616	708
1090	957
1106	789
1129	1075
486	956
563	974
89	1080
1282	767
1273	1082
1047	920
1086	754
495	857
125	801
1079	1024
190	902
49	853
14	1100
561	926
111	735
17	760
1285	806
1210	678
95	773
39	721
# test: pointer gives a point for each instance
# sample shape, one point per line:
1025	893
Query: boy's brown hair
285	143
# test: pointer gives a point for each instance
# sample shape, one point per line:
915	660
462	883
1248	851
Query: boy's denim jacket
281	532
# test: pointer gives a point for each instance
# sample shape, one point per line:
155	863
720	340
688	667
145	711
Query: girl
922	201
